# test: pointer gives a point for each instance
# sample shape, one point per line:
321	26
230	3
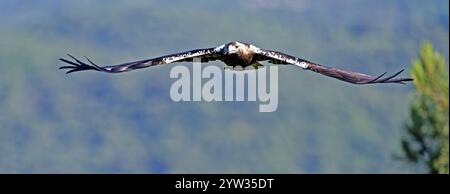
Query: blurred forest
426	142
126	123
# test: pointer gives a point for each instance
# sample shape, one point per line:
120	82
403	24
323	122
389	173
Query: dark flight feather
204	54
276	57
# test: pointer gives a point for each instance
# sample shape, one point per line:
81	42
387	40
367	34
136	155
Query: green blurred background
90	122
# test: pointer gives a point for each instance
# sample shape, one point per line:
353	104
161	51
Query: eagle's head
235	47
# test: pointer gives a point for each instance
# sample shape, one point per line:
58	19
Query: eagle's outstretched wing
344	75
208	54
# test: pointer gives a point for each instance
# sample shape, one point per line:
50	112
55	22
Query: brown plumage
237	54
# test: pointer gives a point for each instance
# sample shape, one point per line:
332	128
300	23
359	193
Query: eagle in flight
236	54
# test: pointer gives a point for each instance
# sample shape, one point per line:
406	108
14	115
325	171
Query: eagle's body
236	54
244	55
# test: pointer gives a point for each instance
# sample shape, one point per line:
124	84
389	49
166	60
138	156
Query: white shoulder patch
302	64
255	49
174	58
286	58
189	54
219	48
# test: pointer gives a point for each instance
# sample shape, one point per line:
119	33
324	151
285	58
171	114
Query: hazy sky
89	122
